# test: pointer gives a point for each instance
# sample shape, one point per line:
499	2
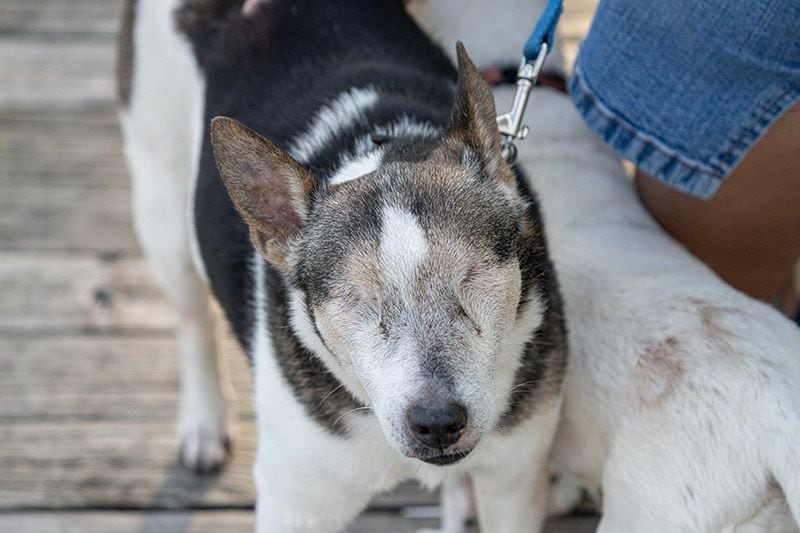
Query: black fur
272	72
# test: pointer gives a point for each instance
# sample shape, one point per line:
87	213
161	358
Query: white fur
303	326
341	113
250	6
301	489
407	127
457	505
403	247
162	128
367	157
714	450
682	398
354	167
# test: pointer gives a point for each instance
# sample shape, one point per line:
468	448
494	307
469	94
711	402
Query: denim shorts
684	88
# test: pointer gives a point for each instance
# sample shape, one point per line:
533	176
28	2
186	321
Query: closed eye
466	316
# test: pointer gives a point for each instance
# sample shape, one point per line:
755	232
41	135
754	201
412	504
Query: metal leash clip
510	124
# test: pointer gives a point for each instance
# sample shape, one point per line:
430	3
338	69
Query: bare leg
749	232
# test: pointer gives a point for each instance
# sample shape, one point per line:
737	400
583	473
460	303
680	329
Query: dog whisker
521	385
364	408
329	394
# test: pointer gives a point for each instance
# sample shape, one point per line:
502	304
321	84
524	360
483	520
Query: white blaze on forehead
333	118
403	245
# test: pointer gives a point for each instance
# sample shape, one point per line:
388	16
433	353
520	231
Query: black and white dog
381	264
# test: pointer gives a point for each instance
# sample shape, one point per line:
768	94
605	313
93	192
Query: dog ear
474	120
269	189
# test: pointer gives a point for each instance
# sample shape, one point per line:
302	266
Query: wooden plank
48	19
62	379
128	521
180	522
572	524
67	218
90	422
228	520
65	183
46	291
47	148
109	464
38	74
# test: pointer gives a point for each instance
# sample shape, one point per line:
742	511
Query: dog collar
507	75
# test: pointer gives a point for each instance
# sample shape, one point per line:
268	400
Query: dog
322	170
682	396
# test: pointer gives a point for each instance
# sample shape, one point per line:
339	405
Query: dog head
407	282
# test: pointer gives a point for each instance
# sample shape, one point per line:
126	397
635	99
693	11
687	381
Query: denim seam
762	118
686	174
611	116
647	153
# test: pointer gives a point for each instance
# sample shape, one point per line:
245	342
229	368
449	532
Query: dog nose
437	426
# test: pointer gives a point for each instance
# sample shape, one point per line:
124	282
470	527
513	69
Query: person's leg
749	232
712	113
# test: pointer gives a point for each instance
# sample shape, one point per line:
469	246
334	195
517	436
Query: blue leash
544	31
534	52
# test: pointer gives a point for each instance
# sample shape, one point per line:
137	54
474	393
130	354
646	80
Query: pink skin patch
249	7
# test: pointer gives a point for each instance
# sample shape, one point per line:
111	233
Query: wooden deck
88	366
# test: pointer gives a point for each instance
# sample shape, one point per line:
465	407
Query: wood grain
47	20
45	291
214	521
64	182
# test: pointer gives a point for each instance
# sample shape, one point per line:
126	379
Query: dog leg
162	125
308	486
160	215
203	422
514	500
456	505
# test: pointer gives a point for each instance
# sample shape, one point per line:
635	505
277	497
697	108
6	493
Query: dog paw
204	447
